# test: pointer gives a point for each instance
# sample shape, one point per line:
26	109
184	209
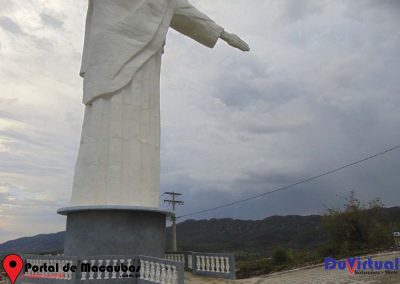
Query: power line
292	185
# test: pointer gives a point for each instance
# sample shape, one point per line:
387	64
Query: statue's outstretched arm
198	26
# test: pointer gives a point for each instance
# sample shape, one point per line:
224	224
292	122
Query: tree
356	228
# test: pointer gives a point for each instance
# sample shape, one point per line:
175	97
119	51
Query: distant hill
44	243
229	235
222	235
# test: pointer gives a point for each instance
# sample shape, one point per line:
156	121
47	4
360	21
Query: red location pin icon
12	265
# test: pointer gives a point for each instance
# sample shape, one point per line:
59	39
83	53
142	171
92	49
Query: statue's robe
119	157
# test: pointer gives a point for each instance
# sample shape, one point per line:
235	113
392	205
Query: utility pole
173	201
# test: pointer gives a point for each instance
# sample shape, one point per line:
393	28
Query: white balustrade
179	257
158	272
210	263
151	269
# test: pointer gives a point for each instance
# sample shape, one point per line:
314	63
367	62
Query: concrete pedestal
114	230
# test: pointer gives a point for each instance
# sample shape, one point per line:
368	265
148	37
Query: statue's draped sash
121	35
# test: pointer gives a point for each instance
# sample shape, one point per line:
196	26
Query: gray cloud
296	10
10	25
51	21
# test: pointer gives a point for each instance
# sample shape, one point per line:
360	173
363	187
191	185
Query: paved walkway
314	275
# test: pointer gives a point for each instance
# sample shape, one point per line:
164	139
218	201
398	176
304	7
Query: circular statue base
114	230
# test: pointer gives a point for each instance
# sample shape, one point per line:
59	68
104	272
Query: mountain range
219	235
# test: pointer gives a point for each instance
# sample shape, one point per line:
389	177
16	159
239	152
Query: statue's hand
235	41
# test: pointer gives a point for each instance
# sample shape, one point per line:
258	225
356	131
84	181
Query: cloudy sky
320	88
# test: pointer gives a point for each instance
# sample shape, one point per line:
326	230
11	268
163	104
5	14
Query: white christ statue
119	157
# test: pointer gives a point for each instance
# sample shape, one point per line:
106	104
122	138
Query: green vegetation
357	229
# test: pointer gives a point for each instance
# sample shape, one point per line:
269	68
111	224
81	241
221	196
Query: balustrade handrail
220	265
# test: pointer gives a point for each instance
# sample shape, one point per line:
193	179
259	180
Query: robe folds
119	156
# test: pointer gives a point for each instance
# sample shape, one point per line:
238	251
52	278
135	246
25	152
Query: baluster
49	263
43	261
53	264
62	276
114	273
174	275
208	263
55	273
107	273
129	265
222	264
26	273
212	263
158	273
163	273
40	262
61	271
31	273
152	272
45	274
69	273
48	273
227	265
169	274
121	273
99	273
217	266
91	272
36	263
147	271
33	261
143	270
84	273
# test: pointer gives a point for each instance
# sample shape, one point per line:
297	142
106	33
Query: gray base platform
114	230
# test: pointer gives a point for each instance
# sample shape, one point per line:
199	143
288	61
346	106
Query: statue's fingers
244	46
